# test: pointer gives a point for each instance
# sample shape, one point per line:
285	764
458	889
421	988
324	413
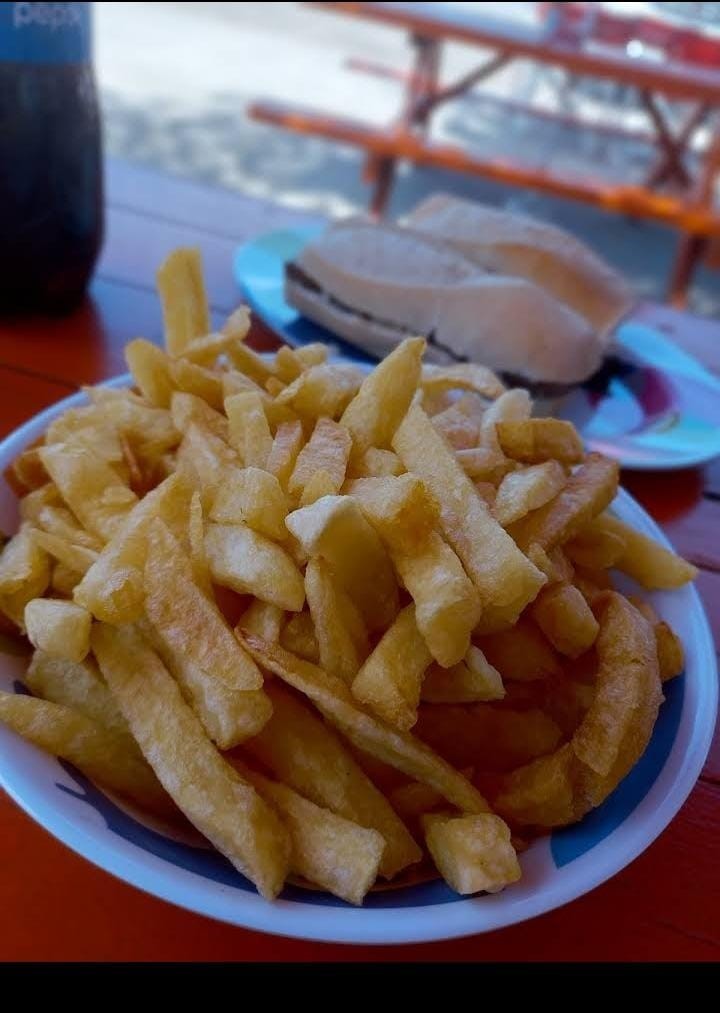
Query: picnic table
683	68
56	906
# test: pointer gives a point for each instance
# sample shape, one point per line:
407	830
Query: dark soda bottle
51	186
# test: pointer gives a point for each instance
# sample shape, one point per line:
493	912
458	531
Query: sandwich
521	246
376	284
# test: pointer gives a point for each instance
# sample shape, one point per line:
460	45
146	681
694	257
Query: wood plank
213	209
56	907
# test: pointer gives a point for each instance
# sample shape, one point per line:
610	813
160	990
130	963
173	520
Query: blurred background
175	80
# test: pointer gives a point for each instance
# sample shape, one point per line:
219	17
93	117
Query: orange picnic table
57	907
673	191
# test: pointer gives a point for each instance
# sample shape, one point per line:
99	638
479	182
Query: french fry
24	574
90	487
521	654
113	589
199	381
328	450
384	397
58	628
650	564
105	756
186	619
472	680
398	749
262	618
249	429
77	557
670	652
287	366
596	547
204	460
63	580
485	736
88	427
457	429
77	685
333	853
376	463
483	464
249	563
389	682
223	806
284	452
535	440
472	853
304	753
188	408
298	637
184	302
588	492
321	484
150	367
527	489
322	391
335	529
513	406
339	628
27	472
566	619
205	350
463	376
43	507
501	573
253	497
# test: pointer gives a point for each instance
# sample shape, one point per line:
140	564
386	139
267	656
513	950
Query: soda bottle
51	187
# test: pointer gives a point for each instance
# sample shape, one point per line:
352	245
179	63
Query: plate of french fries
338	653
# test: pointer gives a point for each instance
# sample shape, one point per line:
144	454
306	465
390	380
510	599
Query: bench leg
380	172
691	250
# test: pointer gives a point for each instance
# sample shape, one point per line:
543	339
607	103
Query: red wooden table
55	906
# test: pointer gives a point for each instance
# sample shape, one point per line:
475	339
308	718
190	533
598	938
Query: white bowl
556	869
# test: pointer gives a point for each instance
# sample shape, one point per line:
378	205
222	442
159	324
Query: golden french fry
398	749
501	573
483	464
670	652
328	450
223	807
262	618
113	589
514	405
321	484
58	628
27	472
458	430
527	489
204	351
184	302
88	427
376	463
328	850
284	452
463	376
322	391
385	395
595	547
150	367
303	752
249	563
76	557
520	654
108	757
472	853
204	459
536	440
339	628
485	736
90	487
335	529
652	565
249	430
298	636
588	491
253	497
188	408
24	574
63	580
472	680
43	507
389	682
566	619
77	685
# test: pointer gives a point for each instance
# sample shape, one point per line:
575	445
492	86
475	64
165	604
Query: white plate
556	869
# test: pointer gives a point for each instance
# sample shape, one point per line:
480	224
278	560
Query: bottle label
45	33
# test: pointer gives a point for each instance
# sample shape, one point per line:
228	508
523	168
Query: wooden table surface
56	906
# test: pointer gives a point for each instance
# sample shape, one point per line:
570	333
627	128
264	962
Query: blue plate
655	407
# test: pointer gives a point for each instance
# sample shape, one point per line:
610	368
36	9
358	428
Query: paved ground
175	78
